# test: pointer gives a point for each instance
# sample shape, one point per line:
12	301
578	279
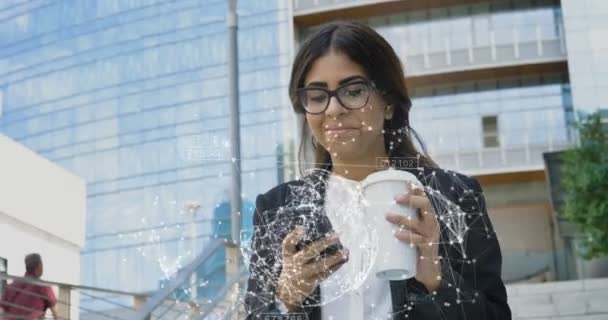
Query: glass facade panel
478	34
535	113
132	97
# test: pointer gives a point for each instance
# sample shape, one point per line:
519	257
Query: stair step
567	300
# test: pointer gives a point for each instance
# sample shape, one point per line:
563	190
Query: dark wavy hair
364	46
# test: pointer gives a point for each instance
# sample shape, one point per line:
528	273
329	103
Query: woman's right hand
299	277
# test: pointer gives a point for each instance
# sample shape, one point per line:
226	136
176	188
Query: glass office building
133	97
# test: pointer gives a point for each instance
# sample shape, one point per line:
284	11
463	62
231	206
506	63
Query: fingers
413	188
324	267
313	250
309	275
418	199
414	239
332	269
290	242
405	222
416	189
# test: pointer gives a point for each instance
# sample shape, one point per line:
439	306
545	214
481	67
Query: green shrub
585	185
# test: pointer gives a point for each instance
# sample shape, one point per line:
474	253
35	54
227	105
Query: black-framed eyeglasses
353	95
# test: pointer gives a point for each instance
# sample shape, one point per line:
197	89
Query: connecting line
106	300
452	212
235	307
235	281
283	164
289	164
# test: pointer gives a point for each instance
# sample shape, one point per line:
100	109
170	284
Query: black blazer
471	287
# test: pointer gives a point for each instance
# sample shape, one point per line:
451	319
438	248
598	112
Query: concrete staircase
560	300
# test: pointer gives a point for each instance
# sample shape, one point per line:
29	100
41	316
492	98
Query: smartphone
316	228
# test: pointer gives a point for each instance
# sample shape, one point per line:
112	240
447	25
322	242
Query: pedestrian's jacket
471	287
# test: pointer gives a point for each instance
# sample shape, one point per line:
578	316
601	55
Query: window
489	126
3	270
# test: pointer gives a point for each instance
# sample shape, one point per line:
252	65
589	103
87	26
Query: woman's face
346	134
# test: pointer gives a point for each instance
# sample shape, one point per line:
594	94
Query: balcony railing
522	151
510	50
441	45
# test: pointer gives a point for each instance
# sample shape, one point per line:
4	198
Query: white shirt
353	291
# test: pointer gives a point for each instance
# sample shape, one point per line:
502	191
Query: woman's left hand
421	231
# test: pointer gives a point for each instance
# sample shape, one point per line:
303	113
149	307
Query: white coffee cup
395	260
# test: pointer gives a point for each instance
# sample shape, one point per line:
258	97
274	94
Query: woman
349	83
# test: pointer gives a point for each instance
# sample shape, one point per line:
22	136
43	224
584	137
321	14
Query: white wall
42	209
40	193
61	261
586	26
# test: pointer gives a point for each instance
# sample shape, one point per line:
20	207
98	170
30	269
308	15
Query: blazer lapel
315	190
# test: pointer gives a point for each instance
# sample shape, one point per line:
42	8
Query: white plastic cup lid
388	175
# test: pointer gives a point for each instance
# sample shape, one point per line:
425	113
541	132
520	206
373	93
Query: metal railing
431	53
171	301
67	299
515	51
234	306
521	152
166	302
